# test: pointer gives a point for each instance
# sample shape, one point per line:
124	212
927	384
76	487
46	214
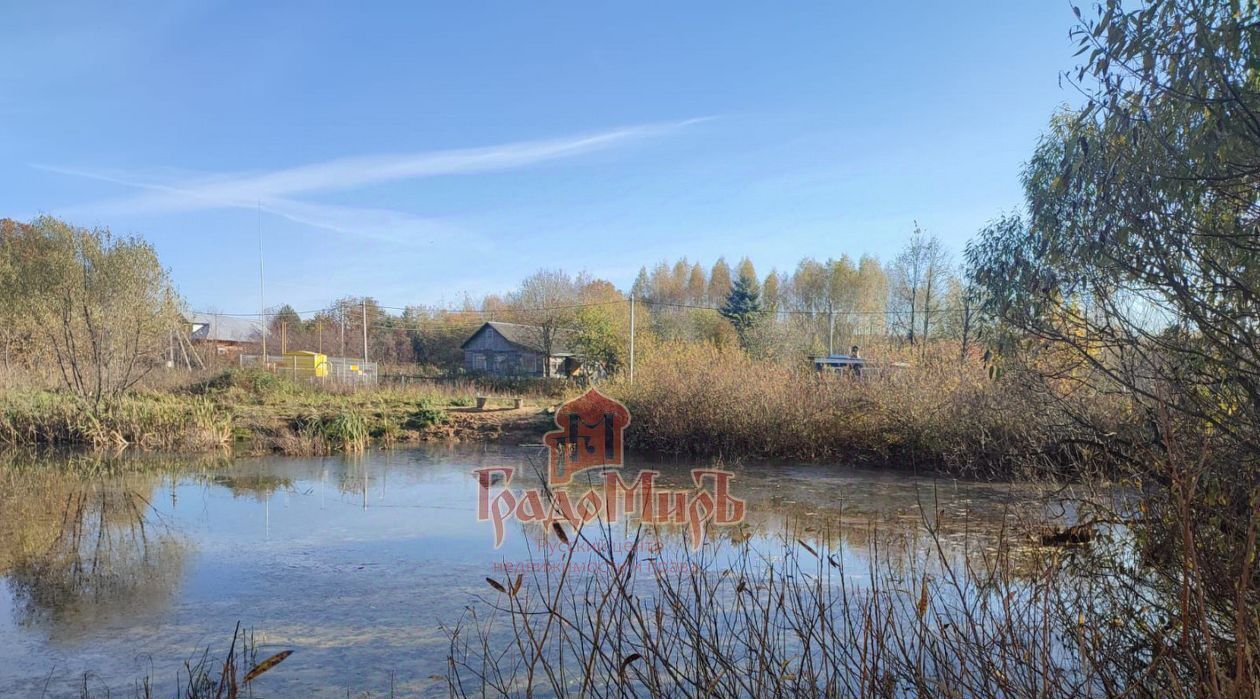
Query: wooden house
511	349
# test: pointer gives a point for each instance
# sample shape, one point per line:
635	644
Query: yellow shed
301	363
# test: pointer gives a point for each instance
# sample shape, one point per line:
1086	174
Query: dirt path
509	425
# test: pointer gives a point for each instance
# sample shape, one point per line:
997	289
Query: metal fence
336	369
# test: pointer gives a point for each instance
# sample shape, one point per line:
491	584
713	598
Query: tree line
820	307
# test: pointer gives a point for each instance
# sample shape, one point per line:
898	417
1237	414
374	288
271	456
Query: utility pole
631	339
319	325
831	330
365	358
262	303
284	336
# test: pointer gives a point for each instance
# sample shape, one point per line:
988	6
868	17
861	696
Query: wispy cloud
274	191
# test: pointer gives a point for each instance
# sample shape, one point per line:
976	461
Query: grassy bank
250	410
938	413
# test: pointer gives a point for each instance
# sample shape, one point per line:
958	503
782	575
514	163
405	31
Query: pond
119	570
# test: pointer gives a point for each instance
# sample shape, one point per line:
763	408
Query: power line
799	311
424	309
507	311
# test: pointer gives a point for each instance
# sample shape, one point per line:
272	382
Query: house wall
489	352
226	350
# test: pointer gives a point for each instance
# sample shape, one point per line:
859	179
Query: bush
257	382
425	415
346	430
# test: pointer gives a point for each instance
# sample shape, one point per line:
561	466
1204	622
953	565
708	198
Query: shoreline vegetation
256	412
937	415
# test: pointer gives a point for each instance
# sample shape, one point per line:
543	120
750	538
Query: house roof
528	337
212	327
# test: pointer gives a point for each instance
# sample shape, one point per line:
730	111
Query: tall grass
261	410
144	420
939	412
346	431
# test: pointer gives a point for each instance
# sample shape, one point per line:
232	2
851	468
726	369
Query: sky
417	152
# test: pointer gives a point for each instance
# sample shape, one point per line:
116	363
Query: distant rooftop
530	337
221	328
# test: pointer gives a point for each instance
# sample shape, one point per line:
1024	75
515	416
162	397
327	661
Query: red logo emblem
590	435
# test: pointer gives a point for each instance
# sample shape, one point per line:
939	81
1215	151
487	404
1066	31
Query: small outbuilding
225	336
304	364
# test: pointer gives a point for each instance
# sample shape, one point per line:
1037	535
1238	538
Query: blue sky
419	151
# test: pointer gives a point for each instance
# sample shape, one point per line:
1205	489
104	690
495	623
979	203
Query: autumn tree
719	281
16	329
642	285
697	285
823	297
872	297
770	292
547	301
918	277
103	306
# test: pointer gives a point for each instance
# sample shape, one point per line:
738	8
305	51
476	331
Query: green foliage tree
743	308
597	341
1139	259
286	330
600	333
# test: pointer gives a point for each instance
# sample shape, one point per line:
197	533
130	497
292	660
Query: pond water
353	563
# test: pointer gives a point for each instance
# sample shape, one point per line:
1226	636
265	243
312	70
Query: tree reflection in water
82	550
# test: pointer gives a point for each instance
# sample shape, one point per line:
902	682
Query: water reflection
123	568
104	559
259	486
81	543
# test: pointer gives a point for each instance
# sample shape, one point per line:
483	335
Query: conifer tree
743	307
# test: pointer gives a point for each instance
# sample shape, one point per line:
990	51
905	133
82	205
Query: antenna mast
262	303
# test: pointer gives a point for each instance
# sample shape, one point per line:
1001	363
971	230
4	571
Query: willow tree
102	307
15	328
1140	255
